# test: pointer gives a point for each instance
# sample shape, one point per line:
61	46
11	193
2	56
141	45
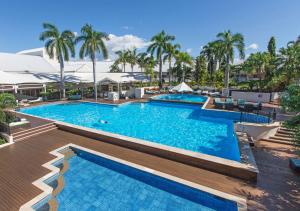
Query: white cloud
75	33
253	46
125	42
237	61
189	50
126	27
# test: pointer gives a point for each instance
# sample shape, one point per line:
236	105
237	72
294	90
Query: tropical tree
200	70
114	68
171	51
149	68
184	62
93	42
7	101
213	52
158	47
122	58
142	60
229	43
288	62
59	45
257	62
272	47
132	58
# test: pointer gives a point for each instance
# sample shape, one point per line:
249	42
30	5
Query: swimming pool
177	125
93	182
181	97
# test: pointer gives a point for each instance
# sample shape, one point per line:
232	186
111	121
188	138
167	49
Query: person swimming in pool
103	121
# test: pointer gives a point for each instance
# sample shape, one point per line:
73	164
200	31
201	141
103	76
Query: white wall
251	96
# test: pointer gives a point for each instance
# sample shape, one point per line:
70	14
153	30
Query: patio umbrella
182	87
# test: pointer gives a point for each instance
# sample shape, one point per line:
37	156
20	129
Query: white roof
24	63
182	87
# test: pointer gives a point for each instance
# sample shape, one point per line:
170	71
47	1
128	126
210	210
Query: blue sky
193	22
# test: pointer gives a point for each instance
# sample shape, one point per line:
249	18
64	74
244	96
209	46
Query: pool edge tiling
47	190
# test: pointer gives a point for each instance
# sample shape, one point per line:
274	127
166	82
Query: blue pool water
182	97
178	125
96	183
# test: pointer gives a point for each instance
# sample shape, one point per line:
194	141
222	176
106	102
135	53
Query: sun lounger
229	104
214	94
39	99
218	103
241	104
74	97
205	92
295	164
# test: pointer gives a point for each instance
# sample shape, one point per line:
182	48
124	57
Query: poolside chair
229	104
218	103
258	106
39	99
241	104
249	107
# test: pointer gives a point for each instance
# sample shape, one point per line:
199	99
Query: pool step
22	135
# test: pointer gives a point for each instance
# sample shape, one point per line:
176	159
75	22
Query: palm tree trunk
124	67
62	78
94	77
132	68
170	70
227	70
160	73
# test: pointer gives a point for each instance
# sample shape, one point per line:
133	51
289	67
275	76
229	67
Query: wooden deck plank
277	187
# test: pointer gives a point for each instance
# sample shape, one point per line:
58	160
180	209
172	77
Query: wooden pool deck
277	188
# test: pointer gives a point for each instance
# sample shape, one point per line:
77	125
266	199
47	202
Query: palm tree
93	43
149	68
122	58
132	58
229	43
142	60
58	45
288	62
184	62
159	47
213	52
258	62
171	52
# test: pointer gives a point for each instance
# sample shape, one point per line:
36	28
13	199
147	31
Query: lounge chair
74	97
249	107
241	104
258	106
214	94
229	104
205	92
39	99
218	103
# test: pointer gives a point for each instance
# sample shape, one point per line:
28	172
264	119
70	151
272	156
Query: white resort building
28	72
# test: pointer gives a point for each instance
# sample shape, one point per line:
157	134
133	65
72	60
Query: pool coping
246	169
179	101
46	195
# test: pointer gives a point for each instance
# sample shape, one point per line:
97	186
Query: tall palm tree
229	43
132	58
93	43
60	45
257	62
184	62
158	46
171	52
122	58
142	60
288	62
149	68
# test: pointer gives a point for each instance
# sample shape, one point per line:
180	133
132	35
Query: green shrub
2	141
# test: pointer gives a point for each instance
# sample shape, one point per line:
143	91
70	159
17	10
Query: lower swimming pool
97	183
181	97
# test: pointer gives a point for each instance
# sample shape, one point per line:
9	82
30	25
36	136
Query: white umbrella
182	87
